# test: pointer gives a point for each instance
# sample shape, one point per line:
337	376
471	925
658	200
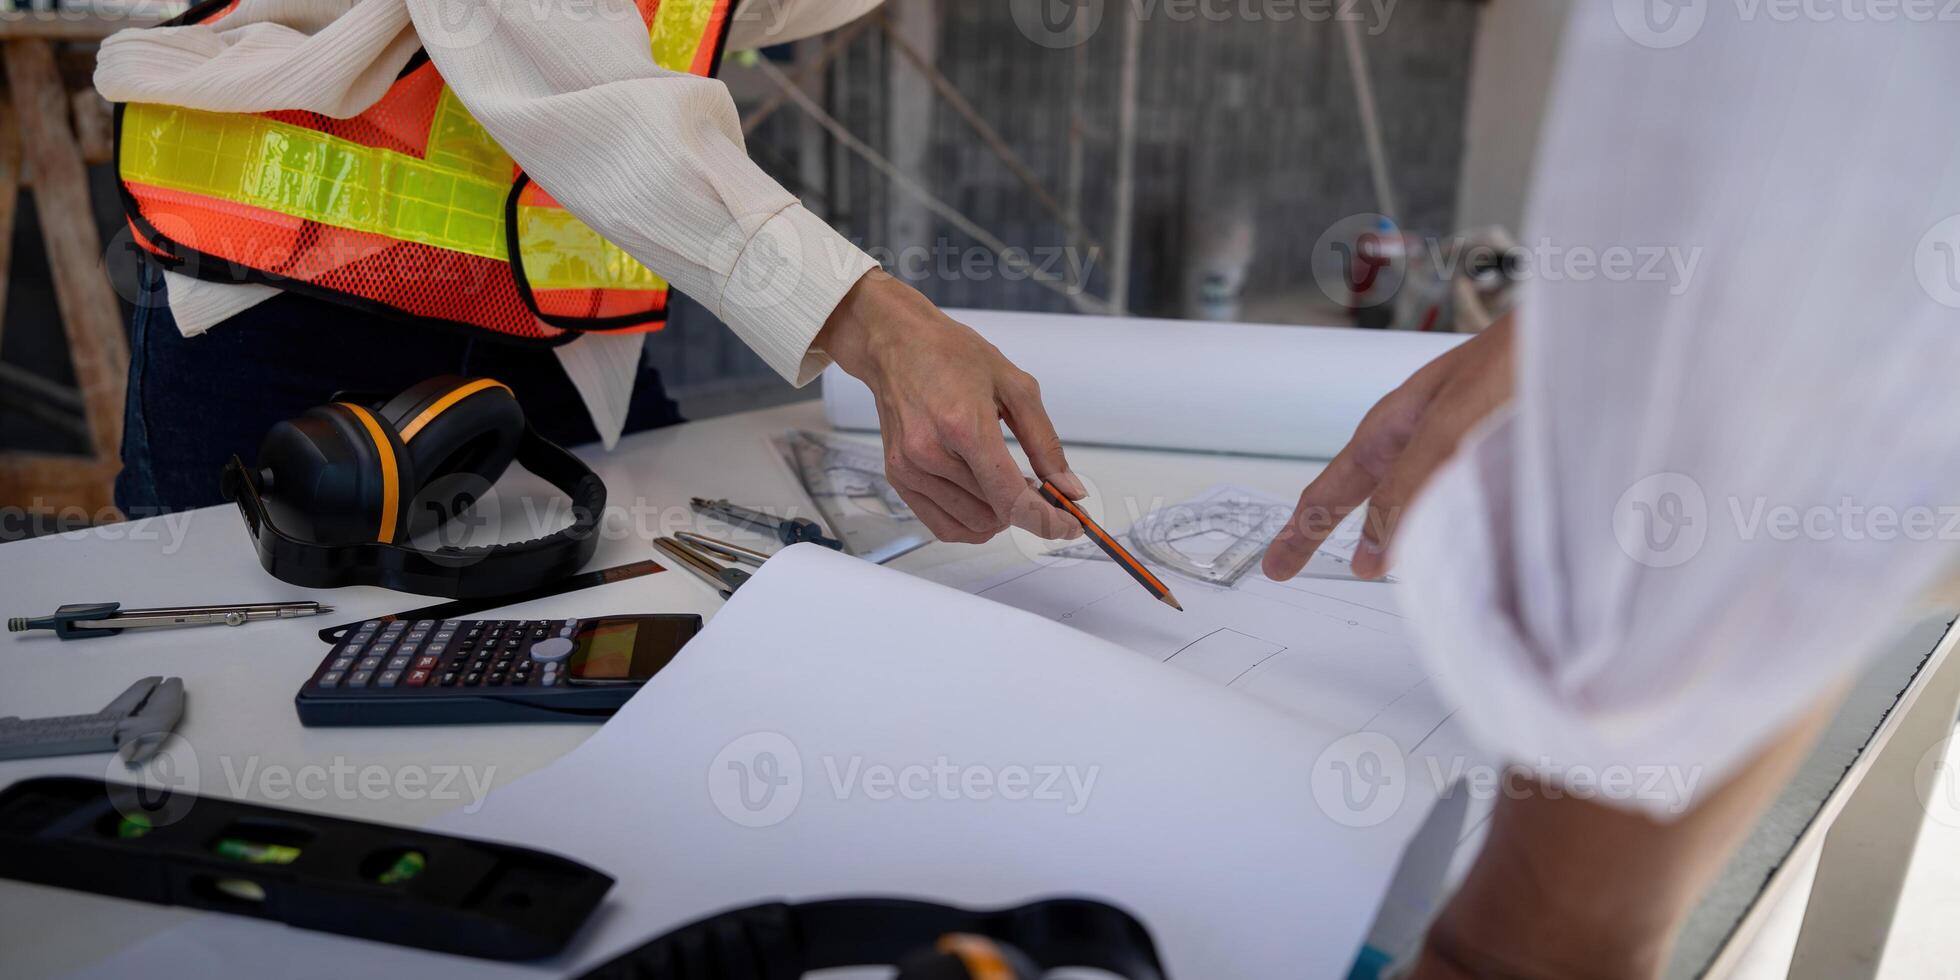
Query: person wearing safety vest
341	194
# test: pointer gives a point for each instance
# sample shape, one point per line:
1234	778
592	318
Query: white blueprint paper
794	750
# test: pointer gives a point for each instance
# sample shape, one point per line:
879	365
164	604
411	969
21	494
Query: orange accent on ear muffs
981	957
390	471
444	403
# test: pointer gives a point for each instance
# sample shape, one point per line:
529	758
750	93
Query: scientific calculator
468	671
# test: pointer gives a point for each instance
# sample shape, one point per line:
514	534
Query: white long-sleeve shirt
1719	489
654	160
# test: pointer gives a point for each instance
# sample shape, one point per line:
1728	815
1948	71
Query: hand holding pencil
1116	552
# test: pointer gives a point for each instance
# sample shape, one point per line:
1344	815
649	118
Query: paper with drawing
843	728
1324	646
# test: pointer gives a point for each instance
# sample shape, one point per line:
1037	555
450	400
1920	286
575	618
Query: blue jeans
194	402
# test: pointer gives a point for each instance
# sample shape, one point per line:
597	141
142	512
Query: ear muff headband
443	404
391	480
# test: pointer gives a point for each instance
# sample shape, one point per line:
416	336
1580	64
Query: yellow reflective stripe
562	252
252	160
458	142
677	32
453	199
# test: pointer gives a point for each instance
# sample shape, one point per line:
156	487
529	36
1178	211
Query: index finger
1006	489
1028	419
1339	488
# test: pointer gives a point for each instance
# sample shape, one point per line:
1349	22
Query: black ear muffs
342	475
462	433
341	490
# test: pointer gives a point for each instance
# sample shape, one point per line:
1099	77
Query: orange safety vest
408	209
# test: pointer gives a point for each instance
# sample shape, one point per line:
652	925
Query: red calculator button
417	678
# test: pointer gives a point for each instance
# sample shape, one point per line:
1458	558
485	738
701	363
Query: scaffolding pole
1126	142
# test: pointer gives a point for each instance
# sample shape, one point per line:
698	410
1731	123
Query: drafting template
1219	535
845	478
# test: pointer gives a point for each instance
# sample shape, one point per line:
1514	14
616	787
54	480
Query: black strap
778	941
762	942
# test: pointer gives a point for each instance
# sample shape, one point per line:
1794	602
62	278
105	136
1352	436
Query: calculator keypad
444	654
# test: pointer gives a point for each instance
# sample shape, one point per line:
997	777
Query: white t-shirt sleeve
1734	457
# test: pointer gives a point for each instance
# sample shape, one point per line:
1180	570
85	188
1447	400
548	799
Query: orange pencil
1117	553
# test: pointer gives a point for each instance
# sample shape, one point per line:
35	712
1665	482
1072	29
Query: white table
240	723
240	682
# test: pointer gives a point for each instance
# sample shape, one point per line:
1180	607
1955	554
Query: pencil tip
1171	601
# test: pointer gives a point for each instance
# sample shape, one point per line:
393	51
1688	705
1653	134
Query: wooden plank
77	65
51	392
89	313
38	483
46	415
54	405
94	127
9	199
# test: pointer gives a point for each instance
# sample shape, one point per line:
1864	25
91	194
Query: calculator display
607	653
627	649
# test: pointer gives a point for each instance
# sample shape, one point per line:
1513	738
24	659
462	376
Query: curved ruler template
1217	537
845	478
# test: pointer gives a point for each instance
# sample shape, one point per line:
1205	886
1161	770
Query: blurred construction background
1149	158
